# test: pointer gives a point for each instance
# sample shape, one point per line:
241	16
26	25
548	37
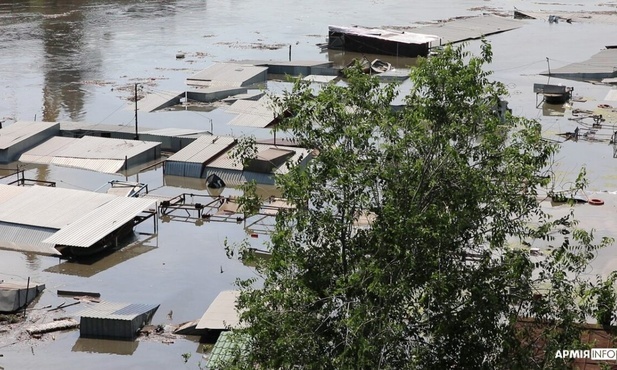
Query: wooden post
136	128
290	53
27	289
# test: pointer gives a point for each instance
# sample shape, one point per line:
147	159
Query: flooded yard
80	60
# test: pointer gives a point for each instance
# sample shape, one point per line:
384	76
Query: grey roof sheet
252	113
157	100
22	130
174	132
117	311
89	152
469	28
227	74
604	62
100	222
222	313
203	149
49	207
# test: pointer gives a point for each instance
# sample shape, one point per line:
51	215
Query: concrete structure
115	320
21	136
229	75
379	41
192	160
93	153
222	313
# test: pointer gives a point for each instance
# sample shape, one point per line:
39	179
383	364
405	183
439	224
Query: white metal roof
227	74
8	192
89	152
222	313
22	130
48	207
117	311
157	100
100	222
252	113
203	149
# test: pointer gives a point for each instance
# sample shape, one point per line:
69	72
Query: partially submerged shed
93	153
115	320
21	136
379	41
30	217
191	160
229	75
16	295
270	160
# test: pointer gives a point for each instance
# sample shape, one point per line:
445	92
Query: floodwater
79	60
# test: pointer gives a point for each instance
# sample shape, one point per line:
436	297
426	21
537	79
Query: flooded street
79	61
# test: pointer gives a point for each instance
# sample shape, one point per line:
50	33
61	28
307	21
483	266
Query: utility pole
136	127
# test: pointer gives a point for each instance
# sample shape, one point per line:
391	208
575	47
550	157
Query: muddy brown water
78	61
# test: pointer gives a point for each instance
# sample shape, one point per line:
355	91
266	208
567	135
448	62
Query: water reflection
66	60
344	58
116	347
88	267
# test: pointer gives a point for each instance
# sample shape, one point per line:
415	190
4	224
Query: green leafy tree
398	253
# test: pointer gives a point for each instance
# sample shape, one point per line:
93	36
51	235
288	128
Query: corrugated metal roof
227	74
22	130
202	149
222	313
26	239
236	177
117	311
8	192
100	222
389	35
604	62
458	30
49	207
89	152
252	113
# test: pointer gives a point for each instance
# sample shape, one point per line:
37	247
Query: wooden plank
77	293
53	326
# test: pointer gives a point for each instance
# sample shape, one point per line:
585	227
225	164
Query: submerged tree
399	252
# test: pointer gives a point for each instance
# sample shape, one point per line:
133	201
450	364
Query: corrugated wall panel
26	239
